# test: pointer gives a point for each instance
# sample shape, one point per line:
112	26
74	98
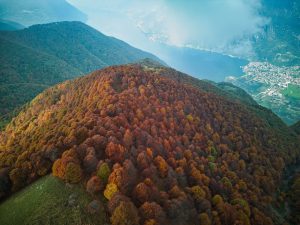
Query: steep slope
25	72
43	55
77	44
29	12
161	151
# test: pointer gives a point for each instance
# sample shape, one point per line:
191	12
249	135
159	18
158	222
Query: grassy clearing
49	201
292	91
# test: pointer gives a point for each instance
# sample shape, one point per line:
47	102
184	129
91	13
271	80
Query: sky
218	25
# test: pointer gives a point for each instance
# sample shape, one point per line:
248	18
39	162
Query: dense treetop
223	89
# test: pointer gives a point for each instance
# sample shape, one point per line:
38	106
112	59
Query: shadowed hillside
296	127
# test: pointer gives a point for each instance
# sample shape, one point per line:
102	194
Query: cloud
219	25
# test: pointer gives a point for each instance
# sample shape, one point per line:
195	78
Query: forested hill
77	44
42	55
160	150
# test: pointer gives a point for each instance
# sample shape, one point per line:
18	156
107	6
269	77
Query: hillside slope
77	44
161	151
49	201
223	89
42	55
25	72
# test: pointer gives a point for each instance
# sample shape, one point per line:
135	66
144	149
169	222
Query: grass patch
292	91
49	201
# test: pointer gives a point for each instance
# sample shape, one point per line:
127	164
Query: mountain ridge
50	53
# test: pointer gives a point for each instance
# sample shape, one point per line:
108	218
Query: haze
222	26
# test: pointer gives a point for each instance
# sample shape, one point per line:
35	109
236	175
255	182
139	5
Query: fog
218	25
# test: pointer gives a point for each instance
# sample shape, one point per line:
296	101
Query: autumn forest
153	112
153	149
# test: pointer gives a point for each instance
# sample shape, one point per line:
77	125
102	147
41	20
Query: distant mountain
148	146
279	44
29	12
6	25
42	55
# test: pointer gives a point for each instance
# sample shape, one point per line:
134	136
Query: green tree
125	214
103	172
73	173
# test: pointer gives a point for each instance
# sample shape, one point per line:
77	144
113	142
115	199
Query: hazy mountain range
30	12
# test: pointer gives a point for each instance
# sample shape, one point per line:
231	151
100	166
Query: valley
274	87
